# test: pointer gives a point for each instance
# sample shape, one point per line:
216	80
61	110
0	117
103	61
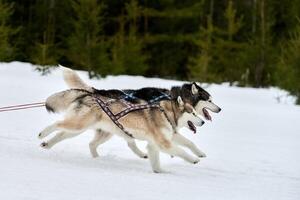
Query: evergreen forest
253	43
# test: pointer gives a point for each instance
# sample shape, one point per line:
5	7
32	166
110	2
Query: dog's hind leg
153	154
69	127
183	141
57	138
48	130
132	145
100	138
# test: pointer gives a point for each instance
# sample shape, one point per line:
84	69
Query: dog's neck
172	111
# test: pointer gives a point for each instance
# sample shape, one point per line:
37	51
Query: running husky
191	93
153	125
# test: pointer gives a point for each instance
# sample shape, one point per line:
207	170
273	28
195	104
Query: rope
22	106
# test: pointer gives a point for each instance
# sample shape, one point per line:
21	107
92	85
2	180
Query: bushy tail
60	101
73	80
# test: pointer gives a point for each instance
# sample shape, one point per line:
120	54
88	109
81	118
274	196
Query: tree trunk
261	65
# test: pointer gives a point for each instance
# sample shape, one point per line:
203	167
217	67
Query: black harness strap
133	107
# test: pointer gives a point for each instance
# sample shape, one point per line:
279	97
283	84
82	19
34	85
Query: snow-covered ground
253	148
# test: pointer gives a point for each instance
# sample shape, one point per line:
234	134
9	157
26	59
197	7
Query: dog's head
188	116
200	99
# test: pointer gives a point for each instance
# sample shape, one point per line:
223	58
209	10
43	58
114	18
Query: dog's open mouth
206	114
191	126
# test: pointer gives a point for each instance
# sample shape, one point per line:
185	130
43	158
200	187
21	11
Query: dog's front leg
132	145
183	141
153	154
174	150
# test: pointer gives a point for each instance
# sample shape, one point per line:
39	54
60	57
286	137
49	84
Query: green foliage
199	65
249	43
87	47
127	53
45	50
218	52
6	49
288	69
44	54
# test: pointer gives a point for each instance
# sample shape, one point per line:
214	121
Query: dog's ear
179	100
194	89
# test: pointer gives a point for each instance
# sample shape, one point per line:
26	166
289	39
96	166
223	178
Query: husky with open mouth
199	98
105	111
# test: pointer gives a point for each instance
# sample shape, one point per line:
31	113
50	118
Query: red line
22	105
20	108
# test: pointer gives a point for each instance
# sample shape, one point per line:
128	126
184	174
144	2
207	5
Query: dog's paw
95	155
142	155
41	135
196	161
157	171
201	155
45	145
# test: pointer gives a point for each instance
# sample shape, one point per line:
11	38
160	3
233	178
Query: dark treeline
245	42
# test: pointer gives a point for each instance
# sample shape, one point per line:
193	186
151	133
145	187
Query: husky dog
191	93
151	125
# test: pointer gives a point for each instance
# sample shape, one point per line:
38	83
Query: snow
253	148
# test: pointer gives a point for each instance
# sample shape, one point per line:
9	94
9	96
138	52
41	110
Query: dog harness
153	103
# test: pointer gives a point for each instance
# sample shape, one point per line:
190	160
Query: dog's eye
209	101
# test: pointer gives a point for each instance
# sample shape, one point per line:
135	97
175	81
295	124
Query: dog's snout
202	123
219	110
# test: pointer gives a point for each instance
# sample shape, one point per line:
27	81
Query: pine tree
128	55
288	69
6	50
227	49
45	52
87	47
218	50
199	65
135	57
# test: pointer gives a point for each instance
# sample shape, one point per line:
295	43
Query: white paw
196	161
158	171
42	135
45	145
95	155
201	155
145	156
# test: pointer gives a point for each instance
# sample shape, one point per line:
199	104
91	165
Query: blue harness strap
130	96
162	96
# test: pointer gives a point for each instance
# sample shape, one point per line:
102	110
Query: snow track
253	148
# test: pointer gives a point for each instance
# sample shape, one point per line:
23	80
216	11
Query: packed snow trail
252	148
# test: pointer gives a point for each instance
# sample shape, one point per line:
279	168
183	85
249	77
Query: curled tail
73	80
60	101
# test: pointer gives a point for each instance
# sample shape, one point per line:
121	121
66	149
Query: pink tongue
207	115
192	126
